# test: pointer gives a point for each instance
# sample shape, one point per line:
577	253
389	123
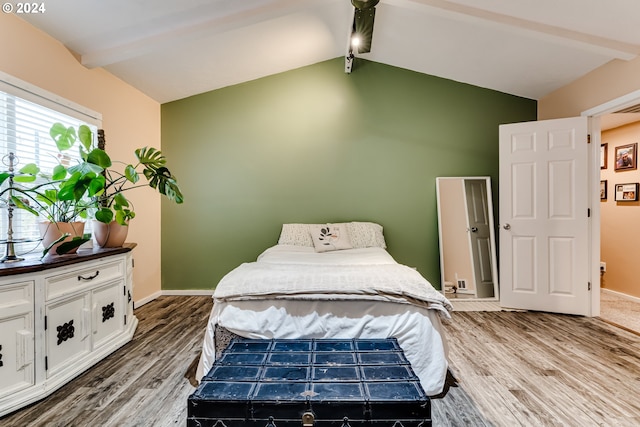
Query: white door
544	223
480	236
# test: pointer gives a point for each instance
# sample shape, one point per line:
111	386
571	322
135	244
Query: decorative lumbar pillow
330	237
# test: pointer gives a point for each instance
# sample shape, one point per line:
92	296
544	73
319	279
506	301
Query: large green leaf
59	172
131	174
123	216
27	173
85	136
73	188
58	240
63	136
47	197
96	186
150	157
24	178
72	244
120	200
100	158
104	215
4	176
86	168
30	168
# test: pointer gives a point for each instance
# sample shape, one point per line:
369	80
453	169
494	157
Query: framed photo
603	190
626	157
627	192
603	156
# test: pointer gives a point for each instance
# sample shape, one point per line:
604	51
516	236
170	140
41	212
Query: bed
332	281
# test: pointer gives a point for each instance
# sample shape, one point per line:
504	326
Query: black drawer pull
89	277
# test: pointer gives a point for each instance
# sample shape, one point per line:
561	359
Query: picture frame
603	155
627	192
626	157
603	190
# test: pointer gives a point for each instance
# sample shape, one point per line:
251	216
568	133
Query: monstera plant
113	210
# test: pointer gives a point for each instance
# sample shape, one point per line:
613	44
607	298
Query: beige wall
130	119
619	230
613	80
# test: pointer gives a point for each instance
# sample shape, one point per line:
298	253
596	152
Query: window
26	114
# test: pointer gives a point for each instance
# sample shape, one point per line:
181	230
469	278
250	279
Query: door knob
474	229
507	227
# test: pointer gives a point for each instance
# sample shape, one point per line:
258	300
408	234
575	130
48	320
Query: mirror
468	266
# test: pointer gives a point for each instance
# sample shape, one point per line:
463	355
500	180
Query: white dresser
60	316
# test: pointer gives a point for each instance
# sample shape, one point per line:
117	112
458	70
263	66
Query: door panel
544	257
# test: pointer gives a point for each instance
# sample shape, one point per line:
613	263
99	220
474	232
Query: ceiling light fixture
361	30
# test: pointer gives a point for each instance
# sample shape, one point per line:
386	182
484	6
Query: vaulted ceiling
174	49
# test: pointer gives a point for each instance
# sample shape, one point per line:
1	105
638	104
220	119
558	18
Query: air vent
631	109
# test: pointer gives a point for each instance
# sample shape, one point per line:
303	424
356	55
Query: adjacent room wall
130	119
613	80
619	231
318	145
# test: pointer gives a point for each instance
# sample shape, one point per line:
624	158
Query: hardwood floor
513	369
539	369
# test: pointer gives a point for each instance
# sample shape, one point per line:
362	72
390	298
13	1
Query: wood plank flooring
512	369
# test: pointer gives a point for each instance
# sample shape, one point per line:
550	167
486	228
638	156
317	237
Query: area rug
620	311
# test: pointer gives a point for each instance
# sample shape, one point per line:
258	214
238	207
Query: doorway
610	114
619	208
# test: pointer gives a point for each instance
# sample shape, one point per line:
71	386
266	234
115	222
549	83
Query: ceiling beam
602	45
161	41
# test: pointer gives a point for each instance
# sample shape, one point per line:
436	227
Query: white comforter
354	293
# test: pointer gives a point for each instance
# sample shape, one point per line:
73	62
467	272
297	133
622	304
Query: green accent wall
317	145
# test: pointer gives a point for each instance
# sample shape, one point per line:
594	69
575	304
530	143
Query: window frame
15	87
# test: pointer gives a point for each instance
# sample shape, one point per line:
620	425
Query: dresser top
34	263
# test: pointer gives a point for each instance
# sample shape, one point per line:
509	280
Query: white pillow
295	234
330	237
366	235
361	234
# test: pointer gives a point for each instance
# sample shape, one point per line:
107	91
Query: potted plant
64	197
113	210
60	201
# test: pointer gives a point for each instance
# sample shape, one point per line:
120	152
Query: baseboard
621	295
143	301
173	292
187	292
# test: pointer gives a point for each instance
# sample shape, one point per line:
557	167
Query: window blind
26	115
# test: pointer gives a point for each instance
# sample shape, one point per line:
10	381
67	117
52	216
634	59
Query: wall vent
631	109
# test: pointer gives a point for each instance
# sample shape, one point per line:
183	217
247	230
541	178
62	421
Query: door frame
594	130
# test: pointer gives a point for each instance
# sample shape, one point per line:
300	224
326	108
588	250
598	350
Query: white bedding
265	300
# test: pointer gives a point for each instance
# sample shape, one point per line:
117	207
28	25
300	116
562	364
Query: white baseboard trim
143	301
188	292
621	295
176	292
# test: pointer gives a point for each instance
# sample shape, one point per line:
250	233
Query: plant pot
110	235
52	231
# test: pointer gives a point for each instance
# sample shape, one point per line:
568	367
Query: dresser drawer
16	296
78	279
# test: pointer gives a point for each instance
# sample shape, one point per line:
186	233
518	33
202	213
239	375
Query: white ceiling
174	49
